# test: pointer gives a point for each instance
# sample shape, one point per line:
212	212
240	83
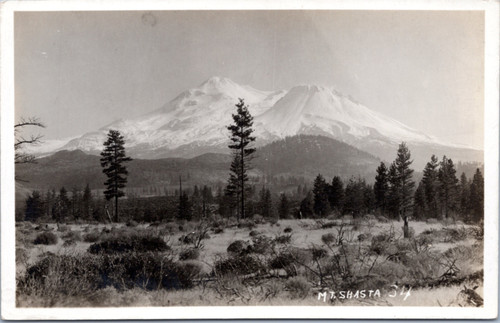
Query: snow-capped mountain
195	122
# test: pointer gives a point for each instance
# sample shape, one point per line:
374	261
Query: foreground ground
292	262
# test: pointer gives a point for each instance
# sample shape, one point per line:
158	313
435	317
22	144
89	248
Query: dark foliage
46	238
121	244
238	265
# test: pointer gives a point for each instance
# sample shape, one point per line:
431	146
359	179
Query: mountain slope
195	122
298	156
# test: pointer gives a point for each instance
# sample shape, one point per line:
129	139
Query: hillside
298	156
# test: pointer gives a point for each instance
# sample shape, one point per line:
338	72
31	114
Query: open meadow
218	261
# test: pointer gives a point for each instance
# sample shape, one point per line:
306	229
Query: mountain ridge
195	122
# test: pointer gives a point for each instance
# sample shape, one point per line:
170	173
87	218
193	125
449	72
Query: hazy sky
79	71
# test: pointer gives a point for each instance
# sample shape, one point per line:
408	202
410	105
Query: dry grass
347	260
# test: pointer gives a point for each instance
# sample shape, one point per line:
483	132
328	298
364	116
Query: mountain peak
218	84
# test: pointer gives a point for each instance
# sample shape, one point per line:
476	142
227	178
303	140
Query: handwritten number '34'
394	292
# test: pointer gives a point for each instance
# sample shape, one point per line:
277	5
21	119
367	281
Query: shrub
255	233
92	237
248	224
347	218
132	223
59	276
188	238
147	270
447	221
139	243
362	237
171	227
187	272
454	235
281	261
189	254
382	219
238	265
46	238
218	230
328	238
262	244
21	255
283	239
274	221
258	219
73	236
238	247
318	253
62	228
298	287
288	230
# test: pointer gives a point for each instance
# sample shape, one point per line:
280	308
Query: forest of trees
439	194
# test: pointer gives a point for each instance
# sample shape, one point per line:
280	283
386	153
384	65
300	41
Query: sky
79	71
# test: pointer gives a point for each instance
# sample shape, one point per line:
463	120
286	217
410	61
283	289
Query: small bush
189	254
274	221
246	224
258	219
347	218
262	244
187	272
171	227
281	261
46	238
318	253
255	233
362	237
129	243
288	230
91	237
329	238
188	238
218	230
239	265
298	287
132	223
238	247
454	235
382	219
62	228
21	255
283	239
73	236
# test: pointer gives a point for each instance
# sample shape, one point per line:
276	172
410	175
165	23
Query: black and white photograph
339	159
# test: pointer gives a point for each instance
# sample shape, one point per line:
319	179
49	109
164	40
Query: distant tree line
440	194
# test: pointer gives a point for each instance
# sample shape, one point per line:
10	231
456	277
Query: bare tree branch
20	156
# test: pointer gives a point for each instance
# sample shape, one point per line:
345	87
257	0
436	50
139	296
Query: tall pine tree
430	182
381	187
112	160
320	191
404	184
336	194
448	188
284	207
464	196
241	140
477	196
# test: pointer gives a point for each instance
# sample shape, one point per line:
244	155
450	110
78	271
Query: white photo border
491	149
